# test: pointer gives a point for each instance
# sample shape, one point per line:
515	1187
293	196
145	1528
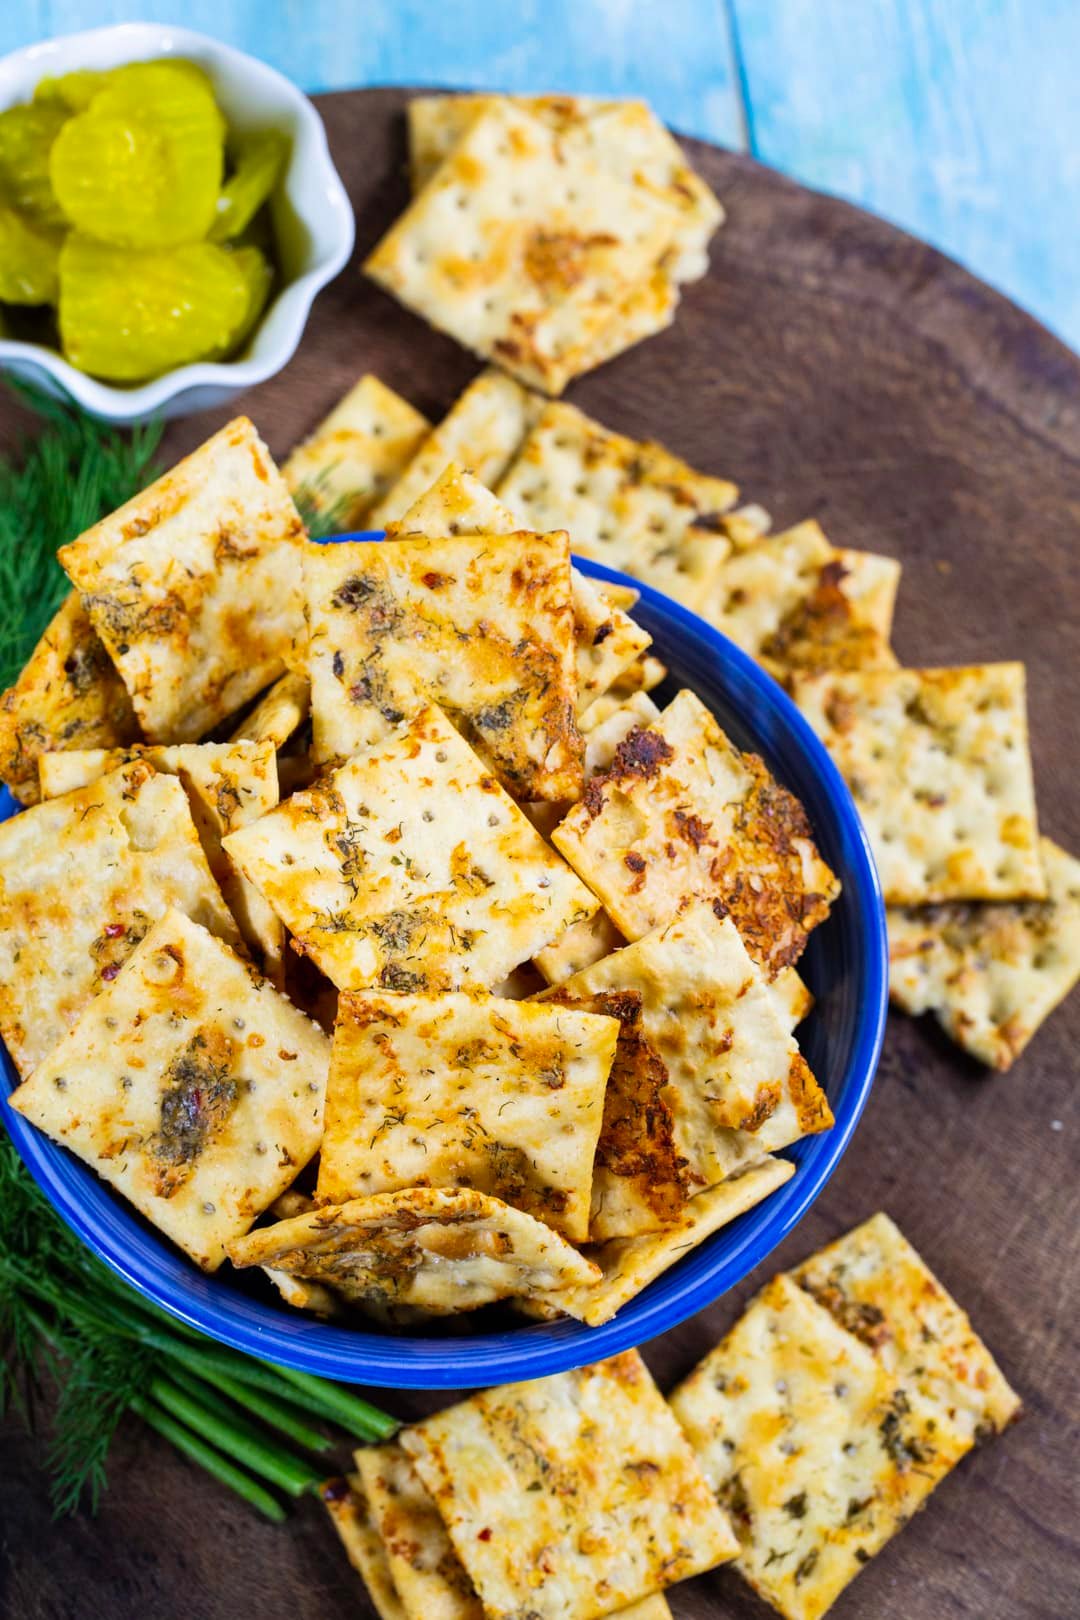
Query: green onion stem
239	1439
358	1417
211	1461
276	1413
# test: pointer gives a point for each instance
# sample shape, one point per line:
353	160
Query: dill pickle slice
75	90
258	274
28	260
127	317
259	162
26	137
141	167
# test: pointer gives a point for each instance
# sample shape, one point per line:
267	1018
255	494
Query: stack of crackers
545	233
541	1043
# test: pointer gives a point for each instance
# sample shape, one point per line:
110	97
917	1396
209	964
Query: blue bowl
845	965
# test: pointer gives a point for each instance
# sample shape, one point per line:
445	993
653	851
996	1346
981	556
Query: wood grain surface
840	370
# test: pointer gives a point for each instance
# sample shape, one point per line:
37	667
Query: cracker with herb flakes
190	1085
810	1446
572	1495
350	1515
428	1575
229	785
878	1288
279	713
938	764
579	947
681	812
482	625
411	868
194	585
69	695
82	879
444	1250
738	1087
519	255
990	971
635	507
455	1090
355	456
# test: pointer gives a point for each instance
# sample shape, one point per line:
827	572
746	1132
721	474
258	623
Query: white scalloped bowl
312	215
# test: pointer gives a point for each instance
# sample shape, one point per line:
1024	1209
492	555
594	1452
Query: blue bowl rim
534	1350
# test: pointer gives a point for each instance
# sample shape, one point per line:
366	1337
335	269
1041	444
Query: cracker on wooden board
625	137
82	879
519	256
632	506
682	812
738	1087
279	713
355	455
428	1576
572	1495
990	971
410	868
68	696
811	1447
482	625
350	1515
878	1288
229	785
481	431
190	1085
443	1249
458	1090
194	585
938	764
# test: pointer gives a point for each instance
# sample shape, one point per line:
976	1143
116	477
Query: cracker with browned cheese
351	1517
482	431
442	1249
82	879
355	455
607	640
228	785
428	1576
455	1090
519	255
572	1495
194	585
411	868
190	1085
738	1087
938	764
623	136
633	506
682	812
990	971
279	713
482	625
68	696
816	1452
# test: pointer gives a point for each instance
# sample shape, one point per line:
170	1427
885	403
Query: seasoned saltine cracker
810	1446
938	765
82	879
483	625
455	1090
355	455
573	1495
350	1515
738	1086
190	1085
625	137
582	944
445	1250
518	255
878	1288
68	696
632	506
681	812
481	431
279	713
410	868
991	972
229	785
428	1575
194	585
792	998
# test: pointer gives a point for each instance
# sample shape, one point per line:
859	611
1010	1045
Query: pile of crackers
848	1389
545	233
363	887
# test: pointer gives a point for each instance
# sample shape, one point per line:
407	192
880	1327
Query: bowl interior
845	966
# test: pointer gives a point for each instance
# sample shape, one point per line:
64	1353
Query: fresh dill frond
98	1383
321	520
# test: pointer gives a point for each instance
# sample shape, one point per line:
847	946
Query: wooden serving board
840	370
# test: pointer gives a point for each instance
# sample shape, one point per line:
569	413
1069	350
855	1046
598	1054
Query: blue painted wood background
958	119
